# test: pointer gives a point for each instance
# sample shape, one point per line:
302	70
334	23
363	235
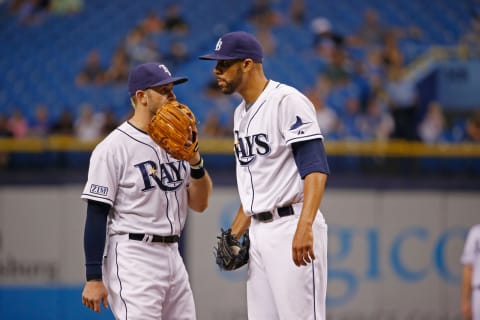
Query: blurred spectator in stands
41	125
374	70
4	133
109	122
93	71
153	24
262	12
370	32
139	48
177	54
360	83
350	120
472	127
88	126
32	12
403	102
325	40
174	20
265	36
212	126
219	119
327	118
377	123
336	71
18	124
117	72
391	52
471	39
14	6
432	128
297	12
66	6
64	124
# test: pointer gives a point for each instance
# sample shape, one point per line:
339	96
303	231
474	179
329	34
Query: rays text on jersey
247	148
167	176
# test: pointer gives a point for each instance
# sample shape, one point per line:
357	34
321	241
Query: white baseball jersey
268	178
471	255
265	171
143	184
147	191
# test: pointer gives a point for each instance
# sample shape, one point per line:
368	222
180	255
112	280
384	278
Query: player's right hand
93	294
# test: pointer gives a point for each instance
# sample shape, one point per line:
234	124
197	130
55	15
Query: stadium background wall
392	252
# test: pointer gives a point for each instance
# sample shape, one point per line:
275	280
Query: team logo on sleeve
248	148
168	176
298	123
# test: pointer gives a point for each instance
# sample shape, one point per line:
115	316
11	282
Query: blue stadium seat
47	58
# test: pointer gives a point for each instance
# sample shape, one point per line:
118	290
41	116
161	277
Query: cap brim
174	80
216	56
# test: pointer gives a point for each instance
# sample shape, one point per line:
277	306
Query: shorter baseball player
138	196
471	275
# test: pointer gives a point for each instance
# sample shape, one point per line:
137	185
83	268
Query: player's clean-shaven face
229	75
158	96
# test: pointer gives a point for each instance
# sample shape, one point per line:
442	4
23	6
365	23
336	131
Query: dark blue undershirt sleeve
310	157
94	238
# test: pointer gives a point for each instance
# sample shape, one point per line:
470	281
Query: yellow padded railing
225	146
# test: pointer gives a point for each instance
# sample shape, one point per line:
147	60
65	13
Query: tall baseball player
138	196
471	275
281	173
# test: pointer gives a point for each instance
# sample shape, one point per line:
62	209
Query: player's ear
247	64
141	96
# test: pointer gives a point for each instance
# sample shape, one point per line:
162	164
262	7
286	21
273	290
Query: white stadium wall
392	253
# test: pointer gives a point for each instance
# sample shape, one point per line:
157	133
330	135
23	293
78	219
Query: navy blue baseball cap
150	74
236	45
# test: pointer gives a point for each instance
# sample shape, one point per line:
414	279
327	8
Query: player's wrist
197	164
197	170
196	160
94	277
93	272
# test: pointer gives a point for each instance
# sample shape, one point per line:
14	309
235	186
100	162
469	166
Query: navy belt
154	238
267	216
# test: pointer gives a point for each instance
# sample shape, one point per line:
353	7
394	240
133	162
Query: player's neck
139	121
251	94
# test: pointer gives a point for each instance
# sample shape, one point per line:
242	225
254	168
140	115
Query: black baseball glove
230	253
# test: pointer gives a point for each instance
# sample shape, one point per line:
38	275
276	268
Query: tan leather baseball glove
174	128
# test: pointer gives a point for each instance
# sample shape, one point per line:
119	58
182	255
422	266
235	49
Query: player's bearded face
229	75
229	86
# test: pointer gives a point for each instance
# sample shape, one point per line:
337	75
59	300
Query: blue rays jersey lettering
249	147
168	176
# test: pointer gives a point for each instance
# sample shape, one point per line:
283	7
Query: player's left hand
94	294
302	247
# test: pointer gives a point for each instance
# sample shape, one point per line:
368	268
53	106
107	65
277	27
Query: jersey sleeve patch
297	119
100	190
298	123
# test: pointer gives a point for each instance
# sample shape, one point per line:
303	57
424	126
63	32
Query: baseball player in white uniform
471	275
138	197
281	175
